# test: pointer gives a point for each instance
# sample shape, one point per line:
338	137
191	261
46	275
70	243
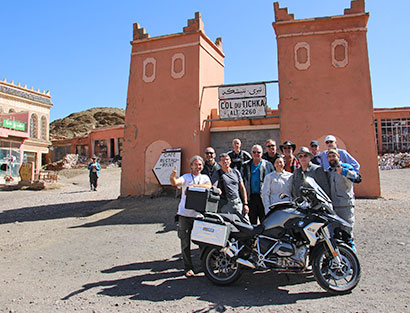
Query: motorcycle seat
243	225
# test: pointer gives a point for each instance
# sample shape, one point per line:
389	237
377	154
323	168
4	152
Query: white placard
165	165
242	108
242	91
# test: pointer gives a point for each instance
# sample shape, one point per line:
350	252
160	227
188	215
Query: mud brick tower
324	85
167	106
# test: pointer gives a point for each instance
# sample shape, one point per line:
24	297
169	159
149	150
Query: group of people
249	183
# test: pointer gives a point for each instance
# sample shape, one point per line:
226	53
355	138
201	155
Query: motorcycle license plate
213	234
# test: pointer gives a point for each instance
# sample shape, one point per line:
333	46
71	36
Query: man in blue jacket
94	167
345	156
254	172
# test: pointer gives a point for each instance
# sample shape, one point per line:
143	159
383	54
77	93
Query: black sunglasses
209	152
270	146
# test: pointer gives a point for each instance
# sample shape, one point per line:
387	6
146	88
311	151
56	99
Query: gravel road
72	250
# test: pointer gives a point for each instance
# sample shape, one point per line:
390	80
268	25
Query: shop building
392	127
104	142
24	128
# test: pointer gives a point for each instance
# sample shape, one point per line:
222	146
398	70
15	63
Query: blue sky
80	49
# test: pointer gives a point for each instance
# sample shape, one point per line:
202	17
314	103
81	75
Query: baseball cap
330	138
314	143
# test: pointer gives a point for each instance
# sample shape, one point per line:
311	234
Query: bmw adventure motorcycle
293	236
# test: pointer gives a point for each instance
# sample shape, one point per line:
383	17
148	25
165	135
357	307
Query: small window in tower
149	69
178	65
302	56
339	53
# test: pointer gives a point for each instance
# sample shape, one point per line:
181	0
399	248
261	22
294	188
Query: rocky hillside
81	123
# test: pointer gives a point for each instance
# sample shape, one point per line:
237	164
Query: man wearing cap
210	165
308	169
291	162
271	153
341	178
94	167
345	156
254	172
238	156
314	148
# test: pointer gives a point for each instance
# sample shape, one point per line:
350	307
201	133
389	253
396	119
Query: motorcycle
294	236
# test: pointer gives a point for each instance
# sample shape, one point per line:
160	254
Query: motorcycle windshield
320	194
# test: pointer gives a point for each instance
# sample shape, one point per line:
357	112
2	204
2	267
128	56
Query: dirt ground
72	250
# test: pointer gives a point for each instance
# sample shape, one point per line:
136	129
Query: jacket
274	185
341	185
316	172
265	168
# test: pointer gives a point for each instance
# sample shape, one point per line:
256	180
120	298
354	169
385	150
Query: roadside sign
165	165
242	101
242	91
26	171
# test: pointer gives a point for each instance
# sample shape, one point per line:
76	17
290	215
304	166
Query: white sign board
242	101
165	165
242	108
242	91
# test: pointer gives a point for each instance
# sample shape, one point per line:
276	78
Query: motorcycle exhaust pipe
245	263
229	252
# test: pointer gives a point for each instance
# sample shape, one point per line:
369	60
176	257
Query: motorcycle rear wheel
220	268
336	280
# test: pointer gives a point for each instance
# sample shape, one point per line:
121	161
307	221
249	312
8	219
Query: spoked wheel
336	278
219	267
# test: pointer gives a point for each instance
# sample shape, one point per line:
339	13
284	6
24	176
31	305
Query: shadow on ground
162	280
131	210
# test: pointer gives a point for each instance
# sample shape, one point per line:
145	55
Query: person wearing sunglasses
291	162
271	151
231	188
345	157
254	172
210	165
307	168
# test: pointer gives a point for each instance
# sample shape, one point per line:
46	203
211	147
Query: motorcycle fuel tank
275	222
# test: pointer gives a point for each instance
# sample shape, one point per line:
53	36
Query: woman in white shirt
276	183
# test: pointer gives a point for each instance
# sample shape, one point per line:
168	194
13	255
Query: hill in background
81	123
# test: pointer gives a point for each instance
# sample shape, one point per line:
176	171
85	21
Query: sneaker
352	245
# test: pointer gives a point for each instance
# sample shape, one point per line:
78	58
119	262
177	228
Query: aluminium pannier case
210	233
202	199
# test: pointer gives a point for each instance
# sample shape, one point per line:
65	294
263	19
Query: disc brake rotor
340	271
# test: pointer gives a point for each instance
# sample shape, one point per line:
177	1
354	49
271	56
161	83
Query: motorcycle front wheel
337	279
219	267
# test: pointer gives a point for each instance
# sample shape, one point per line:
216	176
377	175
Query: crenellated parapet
281	14
10	88
356	6
218	43
195	24
139	32
38	91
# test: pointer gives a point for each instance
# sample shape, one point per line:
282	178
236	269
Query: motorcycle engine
282	254
276	248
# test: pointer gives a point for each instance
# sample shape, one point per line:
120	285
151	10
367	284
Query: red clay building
172	103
